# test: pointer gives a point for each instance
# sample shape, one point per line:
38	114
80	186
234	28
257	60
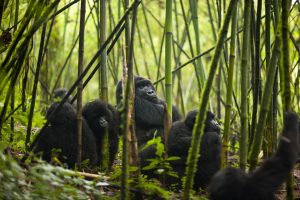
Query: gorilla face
98	116
146	91
211	125
143	89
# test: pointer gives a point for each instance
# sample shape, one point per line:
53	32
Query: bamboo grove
238	59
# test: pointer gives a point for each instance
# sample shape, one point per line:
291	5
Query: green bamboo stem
104	87
168	64
267	92
256	70
204	99
200	68
103	80
186	23
244	86
12	101
286	95
229	89
80	86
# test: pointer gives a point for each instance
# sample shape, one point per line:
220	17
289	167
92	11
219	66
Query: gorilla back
61	134
235	184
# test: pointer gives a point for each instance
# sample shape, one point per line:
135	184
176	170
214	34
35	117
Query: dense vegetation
238	59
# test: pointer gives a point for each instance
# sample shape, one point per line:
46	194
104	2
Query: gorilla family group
99	117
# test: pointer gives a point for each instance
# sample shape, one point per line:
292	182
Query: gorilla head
102	117
143	89
211	125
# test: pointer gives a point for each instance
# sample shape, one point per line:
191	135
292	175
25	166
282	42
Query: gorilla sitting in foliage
102	117
235	184
60	138
179	142
149	115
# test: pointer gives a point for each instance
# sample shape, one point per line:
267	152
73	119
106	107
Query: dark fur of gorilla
179	142
149	115
62	134
101	117
235	184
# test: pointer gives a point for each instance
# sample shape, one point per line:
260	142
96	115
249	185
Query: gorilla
235	184
102	117
61	134
179	142
149	115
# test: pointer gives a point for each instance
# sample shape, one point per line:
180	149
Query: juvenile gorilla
102	117
149	115
179	142
62	134
235	184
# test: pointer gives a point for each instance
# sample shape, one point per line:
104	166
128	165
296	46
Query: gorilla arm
152	113
275	170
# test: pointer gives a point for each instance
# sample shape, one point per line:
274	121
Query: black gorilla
235	184
149	109
179	142
149	115
62	134
103	117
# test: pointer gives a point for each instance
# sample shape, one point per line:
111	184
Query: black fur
235	184
179	142
149	115
62	134
101	117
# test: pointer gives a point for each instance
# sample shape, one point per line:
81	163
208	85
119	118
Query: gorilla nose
151	92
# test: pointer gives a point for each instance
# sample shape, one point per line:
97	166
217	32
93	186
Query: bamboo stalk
200	68
35	86
168	66
228	104
79	86
199	124
271	71
103	80
244	86
287	94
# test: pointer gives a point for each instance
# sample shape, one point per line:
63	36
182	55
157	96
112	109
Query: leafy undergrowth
45	181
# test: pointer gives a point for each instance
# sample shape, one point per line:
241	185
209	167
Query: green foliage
160	164
42	181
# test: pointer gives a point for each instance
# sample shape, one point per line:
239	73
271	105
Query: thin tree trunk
228	104
199	125
244	85
286	95
79	87
103	79
35	86
168	68
267	93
